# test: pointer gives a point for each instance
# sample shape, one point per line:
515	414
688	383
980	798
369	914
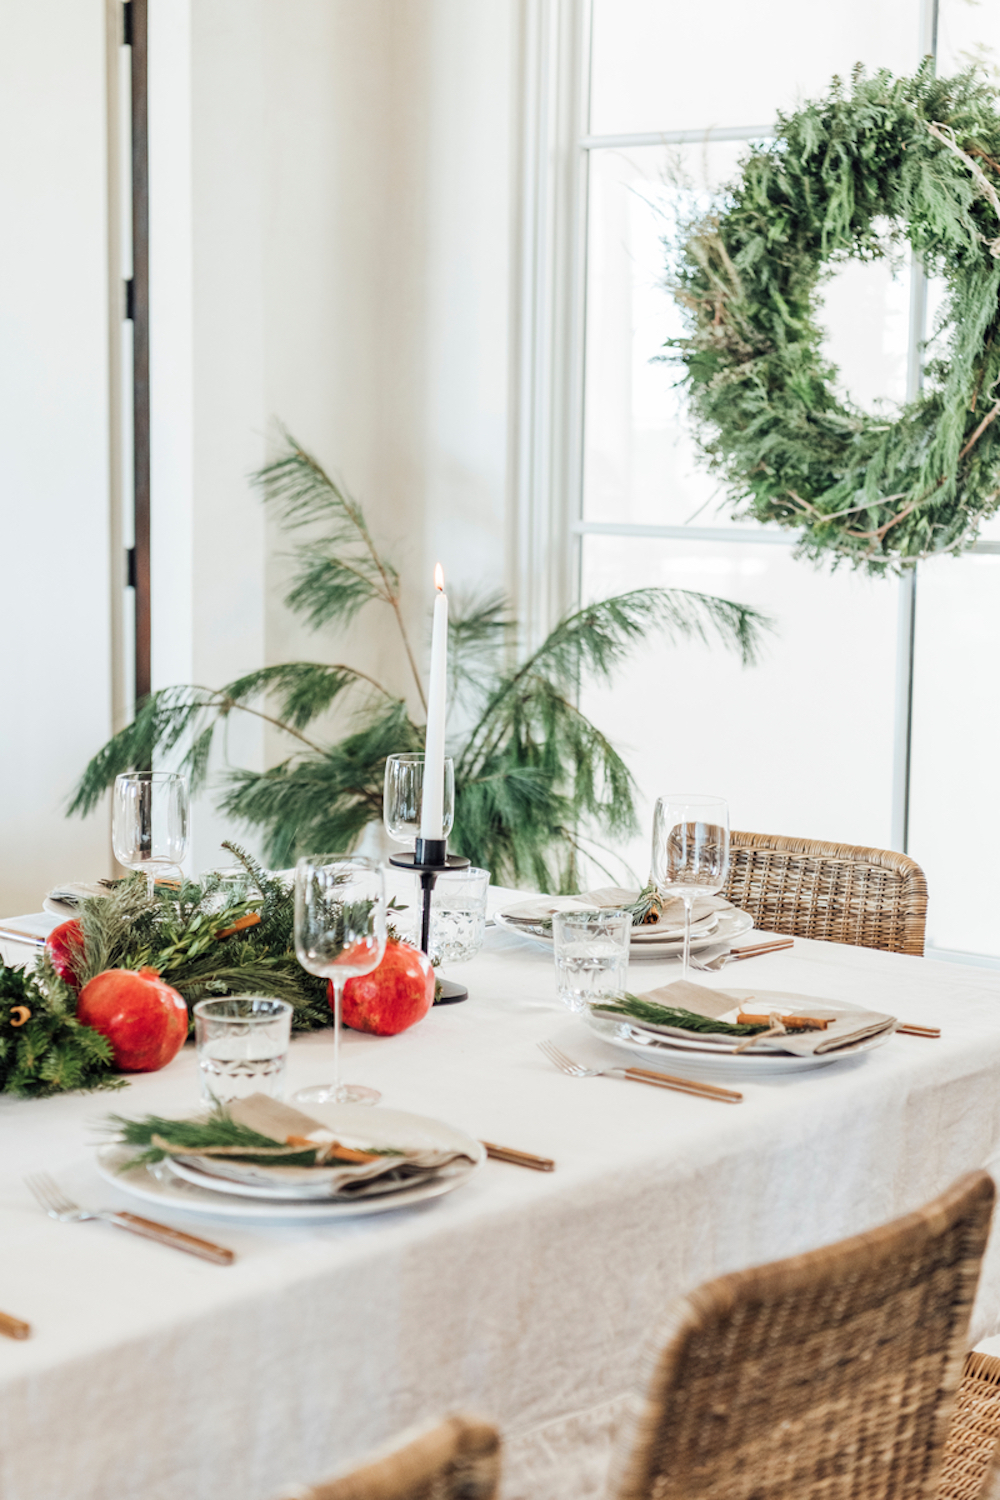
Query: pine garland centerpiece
217	936
868	172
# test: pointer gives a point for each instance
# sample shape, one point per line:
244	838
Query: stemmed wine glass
690	851
403	795
339	935
149	822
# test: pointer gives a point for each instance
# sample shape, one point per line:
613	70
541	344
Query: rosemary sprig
154	1133
635	1009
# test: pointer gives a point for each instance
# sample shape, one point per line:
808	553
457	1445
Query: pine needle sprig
212	1132
632	1007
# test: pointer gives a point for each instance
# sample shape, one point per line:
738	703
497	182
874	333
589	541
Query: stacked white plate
655	940
698	1057
181	1185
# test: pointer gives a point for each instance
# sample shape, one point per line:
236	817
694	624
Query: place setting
686	1027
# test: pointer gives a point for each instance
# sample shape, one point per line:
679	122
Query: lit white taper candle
432	808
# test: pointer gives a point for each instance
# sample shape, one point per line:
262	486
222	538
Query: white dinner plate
732	924
381	1127
687	1060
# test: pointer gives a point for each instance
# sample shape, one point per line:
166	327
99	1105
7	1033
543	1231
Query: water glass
403	796
458	915
149	821
591	955
242	1043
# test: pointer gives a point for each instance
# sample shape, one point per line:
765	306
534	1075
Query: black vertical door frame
135	36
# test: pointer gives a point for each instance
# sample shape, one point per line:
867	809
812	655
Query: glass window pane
968	32
802	744
956	730
640	463
663	65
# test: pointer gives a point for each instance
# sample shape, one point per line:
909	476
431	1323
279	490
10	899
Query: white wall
329	249
386	253
329	237
55	698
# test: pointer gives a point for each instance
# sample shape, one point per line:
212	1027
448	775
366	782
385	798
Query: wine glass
339	935
149	821
690	851
403	796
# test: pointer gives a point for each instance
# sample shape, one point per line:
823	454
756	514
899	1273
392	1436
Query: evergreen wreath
859	175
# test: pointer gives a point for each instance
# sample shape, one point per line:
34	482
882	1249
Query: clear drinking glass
403	796
458	915
591	950
149	821
690	851
242	1043
339	935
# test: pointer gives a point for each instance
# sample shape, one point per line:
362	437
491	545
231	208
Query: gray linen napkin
272	1118
848	1028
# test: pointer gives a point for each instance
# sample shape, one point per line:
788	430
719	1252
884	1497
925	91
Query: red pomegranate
65	945
394	996
145	1021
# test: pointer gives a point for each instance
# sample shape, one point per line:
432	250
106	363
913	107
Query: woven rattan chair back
458	1459
870	898
830	1376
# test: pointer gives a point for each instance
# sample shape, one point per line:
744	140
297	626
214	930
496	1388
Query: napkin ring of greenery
888	166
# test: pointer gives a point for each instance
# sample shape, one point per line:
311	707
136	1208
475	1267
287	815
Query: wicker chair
830	1376
458	1459
970	1470
870	898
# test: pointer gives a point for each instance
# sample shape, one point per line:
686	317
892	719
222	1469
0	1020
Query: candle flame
439	578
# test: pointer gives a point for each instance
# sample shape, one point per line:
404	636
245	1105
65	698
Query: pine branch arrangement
43	1048
533	775
208	937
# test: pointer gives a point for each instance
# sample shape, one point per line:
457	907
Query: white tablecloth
154	1376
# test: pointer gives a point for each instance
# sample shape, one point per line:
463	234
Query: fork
639	1075
734	955
58	1206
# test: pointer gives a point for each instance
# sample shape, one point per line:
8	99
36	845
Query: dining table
525	1296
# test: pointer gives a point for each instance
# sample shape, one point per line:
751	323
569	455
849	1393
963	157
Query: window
873	704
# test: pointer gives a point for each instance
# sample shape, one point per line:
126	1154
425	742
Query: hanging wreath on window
857	175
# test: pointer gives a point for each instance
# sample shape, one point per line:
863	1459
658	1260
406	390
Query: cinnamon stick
790	1023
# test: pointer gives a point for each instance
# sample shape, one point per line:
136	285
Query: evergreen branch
634	1008
596	639
304	492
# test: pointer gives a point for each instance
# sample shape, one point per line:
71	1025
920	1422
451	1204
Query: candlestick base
451	993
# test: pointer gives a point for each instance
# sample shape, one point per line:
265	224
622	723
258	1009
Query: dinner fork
736	955
58	1206
639	1075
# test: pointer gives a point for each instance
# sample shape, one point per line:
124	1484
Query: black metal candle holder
430	859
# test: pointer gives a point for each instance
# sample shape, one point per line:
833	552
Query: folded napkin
75	891
611	898
848	1027
291	1128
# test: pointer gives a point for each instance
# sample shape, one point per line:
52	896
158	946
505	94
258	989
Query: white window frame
548	347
